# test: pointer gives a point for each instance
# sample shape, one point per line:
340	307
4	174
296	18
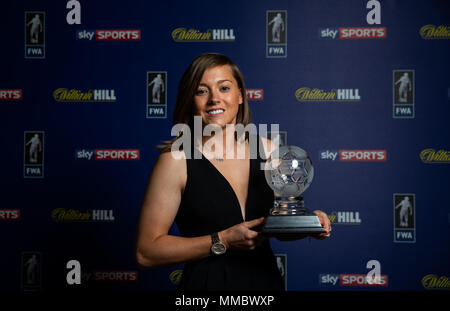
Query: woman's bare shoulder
172	157
172	165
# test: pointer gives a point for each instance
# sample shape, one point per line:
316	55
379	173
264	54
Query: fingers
250	235
241	236
247	242
254	223
251	244
325	222
246	238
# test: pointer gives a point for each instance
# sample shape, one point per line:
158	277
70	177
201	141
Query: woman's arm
154	246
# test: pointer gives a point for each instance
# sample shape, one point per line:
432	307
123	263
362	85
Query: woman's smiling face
218	97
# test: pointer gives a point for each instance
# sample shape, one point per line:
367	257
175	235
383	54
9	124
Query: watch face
218	248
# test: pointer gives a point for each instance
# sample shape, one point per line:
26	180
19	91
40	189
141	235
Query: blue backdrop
362	86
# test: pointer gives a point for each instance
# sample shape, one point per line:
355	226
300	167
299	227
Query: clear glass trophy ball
289	172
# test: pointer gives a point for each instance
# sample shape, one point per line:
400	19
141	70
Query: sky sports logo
108	154
9	214
354	280
10	94
109	276
353	33
353	155
255	94
109	34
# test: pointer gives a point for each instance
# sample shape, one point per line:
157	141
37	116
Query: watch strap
215	238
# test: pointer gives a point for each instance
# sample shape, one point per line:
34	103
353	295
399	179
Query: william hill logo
175	276
434	156
194	35
345	218
435	32
432	281
68	215
65	95
305	94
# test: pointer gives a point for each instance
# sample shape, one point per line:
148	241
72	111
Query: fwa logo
31	267
276	33
35	34
404	218
403	94
33	154
156	94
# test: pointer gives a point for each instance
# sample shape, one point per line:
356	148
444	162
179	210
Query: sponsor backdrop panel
87	90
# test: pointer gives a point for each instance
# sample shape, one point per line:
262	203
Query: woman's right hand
241	236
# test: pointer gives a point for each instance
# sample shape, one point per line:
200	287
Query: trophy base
291	225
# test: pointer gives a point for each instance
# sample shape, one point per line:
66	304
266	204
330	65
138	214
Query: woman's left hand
325	222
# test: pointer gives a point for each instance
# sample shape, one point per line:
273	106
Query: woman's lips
215	112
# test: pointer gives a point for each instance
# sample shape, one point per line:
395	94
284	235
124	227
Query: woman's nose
214	96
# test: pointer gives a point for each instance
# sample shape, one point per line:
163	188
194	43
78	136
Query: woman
218	202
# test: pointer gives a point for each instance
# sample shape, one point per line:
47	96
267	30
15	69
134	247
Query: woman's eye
224	88
201	92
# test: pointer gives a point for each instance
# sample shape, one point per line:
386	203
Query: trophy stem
289	206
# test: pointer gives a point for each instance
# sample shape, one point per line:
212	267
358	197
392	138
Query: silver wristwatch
217	248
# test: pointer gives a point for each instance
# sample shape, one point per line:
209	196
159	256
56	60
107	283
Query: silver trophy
289	172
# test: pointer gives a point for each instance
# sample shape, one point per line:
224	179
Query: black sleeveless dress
209	204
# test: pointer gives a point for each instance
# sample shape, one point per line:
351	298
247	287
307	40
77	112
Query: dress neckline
230	188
